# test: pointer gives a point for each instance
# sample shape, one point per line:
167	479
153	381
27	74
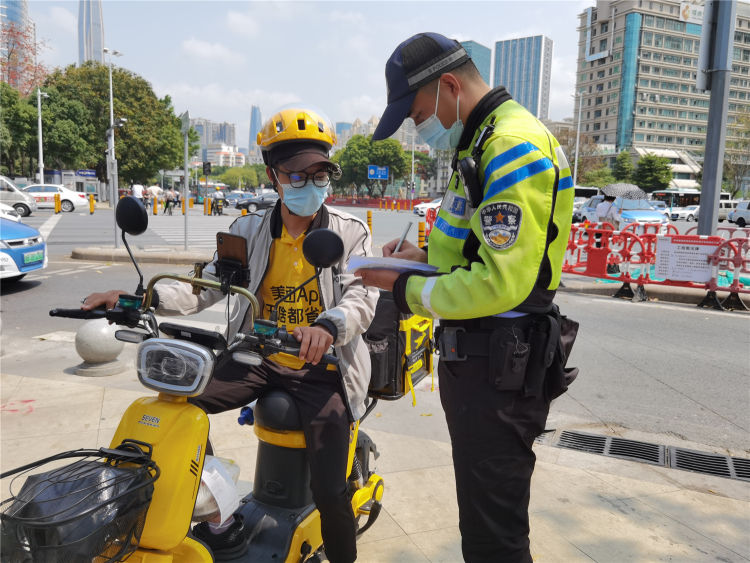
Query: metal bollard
156	205
190	203
57	203
398	206
91	204
369	221
183	207
420	239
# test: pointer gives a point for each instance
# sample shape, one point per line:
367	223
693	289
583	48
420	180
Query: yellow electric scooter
135	499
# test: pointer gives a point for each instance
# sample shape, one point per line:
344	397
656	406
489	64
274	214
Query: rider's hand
108	299
314	342
408	251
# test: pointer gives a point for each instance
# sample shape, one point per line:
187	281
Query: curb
165	256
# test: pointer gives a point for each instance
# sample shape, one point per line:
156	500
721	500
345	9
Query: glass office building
524	67
481	56
90	31
636	73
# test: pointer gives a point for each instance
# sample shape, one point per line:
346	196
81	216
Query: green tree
150	140
18	121
240	175
652	173
737	156
360	152
598	177
623	168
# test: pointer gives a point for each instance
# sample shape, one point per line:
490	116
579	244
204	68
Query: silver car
23	203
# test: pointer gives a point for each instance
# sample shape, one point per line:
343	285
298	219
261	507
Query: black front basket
90	510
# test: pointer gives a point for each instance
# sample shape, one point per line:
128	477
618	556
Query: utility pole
714	70
111	160
39	96
579	95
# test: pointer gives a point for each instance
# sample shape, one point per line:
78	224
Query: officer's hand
108	299
384	279
408	251
314	342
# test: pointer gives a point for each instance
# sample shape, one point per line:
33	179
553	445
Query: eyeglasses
320	179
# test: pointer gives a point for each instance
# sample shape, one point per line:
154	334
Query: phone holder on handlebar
231	272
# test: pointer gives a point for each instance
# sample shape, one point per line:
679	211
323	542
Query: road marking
48	225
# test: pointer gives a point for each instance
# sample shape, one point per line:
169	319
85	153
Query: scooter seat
276	410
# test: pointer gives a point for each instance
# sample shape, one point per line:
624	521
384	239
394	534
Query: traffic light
206	168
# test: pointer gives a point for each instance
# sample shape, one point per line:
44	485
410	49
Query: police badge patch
501	222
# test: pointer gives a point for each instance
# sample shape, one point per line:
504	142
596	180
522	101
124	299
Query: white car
421	208
44	194
689	213
741	214
8	212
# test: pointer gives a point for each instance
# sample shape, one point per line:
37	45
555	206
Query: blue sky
216	58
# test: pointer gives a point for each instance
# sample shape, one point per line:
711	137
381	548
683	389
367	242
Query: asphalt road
665	373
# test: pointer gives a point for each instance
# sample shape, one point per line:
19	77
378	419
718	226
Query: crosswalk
201	233
47	272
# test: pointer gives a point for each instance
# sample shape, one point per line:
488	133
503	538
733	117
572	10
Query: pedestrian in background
498	243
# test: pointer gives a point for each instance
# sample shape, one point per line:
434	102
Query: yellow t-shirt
287	269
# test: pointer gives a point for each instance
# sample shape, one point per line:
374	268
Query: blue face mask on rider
304	201
434	134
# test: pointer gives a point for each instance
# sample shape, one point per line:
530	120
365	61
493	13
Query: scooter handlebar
78	313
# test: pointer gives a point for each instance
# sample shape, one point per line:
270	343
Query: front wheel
67	206
690	218
252	208
22	209
741	223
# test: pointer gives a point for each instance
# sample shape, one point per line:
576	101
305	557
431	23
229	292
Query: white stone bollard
96	344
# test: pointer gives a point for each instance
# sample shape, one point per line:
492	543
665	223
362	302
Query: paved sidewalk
584	507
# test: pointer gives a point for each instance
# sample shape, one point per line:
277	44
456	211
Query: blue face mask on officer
434	134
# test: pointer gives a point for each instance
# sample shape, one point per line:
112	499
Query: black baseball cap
297	156
416	62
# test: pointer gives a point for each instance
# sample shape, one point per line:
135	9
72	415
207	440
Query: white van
726	206
23	203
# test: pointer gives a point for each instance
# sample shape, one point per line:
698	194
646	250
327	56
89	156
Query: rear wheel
741	223
252	208
22	209
67	206
690	218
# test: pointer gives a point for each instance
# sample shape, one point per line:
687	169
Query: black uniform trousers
317	392
492	433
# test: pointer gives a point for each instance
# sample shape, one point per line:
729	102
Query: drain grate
655	454
613	447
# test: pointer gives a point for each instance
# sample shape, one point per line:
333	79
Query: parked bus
675	197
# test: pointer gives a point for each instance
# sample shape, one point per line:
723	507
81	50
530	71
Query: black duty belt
457	340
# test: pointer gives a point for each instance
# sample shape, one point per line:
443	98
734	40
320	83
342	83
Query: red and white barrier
692	261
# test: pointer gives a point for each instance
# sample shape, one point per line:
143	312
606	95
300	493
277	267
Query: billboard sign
375	172
691	13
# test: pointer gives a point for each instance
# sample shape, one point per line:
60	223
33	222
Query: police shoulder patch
501	222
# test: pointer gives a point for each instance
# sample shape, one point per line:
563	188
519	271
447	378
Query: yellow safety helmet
293	130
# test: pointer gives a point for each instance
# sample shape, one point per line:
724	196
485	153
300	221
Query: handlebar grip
329	359
78	313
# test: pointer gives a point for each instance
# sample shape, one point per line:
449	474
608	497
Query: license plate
31	257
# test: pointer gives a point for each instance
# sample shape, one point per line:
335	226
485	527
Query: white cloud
562	87
347	18
362	106
242	23
64	20
215	52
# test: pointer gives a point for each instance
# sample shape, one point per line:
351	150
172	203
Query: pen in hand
403	237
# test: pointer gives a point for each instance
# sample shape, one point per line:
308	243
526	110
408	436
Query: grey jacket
348	304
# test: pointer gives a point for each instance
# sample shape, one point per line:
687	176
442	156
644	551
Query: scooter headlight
174	366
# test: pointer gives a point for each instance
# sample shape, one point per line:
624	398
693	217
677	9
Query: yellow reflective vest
495	258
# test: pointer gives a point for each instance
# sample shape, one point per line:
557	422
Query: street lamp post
411	194
579	95
111	160
39	96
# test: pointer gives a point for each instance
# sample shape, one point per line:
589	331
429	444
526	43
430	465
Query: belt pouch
508	357
537	366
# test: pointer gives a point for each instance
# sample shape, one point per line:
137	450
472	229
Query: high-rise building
524	67
90	31
213	132
256	123
636	72
17	44
481	56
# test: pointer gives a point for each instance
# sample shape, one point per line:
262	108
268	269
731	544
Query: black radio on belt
467	167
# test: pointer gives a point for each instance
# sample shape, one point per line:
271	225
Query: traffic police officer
498	242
